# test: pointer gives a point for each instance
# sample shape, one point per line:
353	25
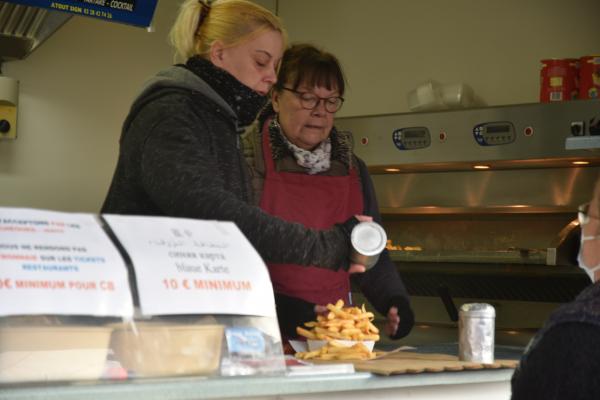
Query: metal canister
476	326
368	241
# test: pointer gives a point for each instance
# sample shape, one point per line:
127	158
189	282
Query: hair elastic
203	12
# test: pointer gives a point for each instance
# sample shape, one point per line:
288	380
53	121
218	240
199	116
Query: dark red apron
317	202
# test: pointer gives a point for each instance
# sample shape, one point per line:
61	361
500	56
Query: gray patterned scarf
315	161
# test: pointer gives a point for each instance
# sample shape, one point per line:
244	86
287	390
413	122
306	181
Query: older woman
305	172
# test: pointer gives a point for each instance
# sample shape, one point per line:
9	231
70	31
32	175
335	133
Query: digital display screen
411	134
497	128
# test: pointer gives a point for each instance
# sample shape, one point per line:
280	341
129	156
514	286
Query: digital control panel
494	133
412	138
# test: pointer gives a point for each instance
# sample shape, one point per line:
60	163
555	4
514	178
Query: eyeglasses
582	214
310	101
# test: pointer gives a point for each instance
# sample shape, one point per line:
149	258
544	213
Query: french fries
343	323
340	323
337	351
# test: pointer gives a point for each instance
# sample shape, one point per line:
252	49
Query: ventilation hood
24	28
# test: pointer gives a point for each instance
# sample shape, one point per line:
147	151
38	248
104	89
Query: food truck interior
480	206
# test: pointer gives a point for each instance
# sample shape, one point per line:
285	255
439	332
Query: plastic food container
52	353
457	95
426	97
165	349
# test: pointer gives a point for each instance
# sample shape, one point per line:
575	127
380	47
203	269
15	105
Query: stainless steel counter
493	384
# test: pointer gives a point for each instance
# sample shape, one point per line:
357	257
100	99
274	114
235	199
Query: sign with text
187	266
133	12
59	263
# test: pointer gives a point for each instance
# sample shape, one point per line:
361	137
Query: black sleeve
293	312
382	284
178	170
564	364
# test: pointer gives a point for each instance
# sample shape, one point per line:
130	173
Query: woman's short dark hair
307	64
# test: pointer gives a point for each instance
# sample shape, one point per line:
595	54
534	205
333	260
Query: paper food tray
317	344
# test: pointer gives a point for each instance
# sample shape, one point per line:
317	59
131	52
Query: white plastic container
426	97
154	349
52	353
457	95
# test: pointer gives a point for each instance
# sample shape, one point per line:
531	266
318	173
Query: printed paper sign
187	266
59	263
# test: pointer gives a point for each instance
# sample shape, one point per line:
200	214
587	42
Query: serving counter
493	384
468	384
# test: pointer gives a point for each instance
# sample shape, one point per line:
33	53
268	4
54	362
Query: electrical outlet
578	128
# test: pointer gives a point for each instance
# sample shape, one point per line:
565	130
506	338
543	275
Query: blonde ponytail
199	25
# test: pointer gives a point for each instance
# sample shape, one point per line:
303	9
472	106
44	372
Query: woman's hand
359	268
356	268
393	321
321	310
364	218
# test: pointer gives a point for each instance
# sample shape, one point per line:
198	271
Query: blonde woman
180	150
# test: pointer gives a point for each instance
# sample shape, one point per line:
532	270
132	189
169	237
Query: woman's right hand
321	310
364	218
359	268
356	268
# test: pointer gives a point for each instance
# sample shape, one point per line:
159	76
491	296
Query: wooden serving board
403	362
